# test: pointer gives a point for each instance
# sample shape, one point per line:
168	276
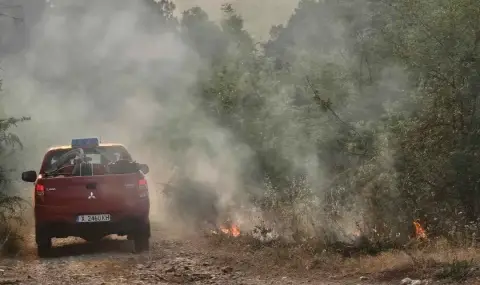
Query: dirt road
170	261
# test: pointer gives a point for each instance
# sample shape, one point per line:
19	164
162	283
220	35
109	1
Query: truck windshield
98	155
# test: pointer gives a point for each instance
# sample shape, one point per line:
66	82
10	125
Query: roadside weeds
436	260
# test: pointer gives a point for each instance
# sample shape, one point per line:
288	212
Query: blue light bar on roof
87	142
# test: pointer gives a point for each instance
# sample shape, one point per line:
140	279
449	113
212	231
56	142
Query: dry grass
433	260
14	230
12	239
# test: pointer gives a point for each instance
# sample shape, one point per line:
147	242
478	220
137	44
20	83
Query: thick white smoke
95	69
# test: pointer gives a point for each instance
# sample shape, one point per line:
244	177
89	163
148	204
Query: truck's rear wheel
141	243
44	247
141	238
44	242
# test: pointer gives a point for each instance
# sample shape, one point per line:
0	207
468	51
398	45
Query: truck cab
90	190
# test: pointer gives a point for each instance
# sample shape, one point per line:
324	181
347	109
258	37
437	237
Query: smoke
259	16
116	70
330	42
96	68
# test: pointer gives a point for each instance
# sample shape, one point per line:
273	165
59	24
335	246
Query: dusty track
170	261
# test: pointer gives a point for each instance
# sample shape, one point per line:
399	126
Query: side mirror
143	168
29	176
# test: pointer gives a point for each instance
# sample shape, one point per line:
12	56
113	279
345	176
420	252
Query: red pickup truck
90	190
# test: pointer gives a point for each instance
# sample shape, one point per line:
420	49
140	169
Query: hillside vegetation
354	118
358	114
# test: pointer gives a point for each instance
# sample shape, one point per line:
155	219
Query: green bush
360	116
11	207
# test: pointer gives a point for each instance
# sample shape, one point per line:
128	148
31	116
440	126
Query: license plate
93	218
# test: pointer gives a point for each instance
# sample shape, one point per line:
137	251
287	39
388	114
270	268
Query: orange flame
232	231
419	231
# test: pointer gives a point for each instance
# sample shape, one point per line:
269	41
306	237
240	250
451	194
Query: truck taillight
142	188
39	189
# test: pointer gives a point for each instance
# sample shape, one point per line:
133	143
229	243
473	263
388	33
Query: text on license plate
93	218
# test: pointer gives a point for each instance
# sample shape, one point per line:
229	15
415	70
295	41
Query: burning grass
232	230
421	258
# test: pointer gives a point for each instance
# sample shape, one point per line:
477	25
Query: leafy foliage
11	207
362	116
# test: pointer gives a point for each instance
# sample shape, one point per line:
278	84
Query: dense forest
354	113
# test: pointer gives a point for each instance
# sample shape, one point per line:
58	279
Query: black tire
141	244
141	239
44	248
44	242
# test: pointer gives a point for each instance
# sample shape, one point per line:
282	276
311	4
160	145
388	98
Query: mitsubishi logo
92	196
